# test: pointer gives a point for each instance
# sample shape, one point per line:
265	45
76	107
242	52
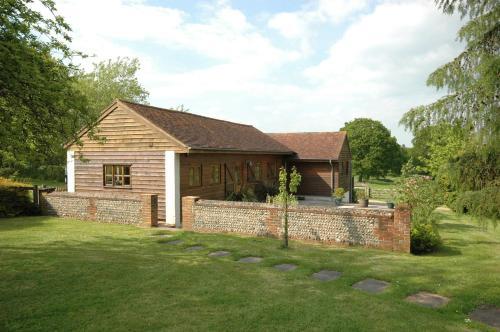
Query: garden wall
112	208
371	227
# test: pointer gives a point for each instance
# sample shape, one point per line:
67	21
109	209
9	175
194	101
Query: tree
39	107
471	105
472	78
374	151
110	80
286	196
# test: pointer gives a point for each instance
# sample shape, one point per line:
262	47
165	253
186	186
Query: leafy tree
39	107
374	151
472	105
435	146
110	80
472	78
286	196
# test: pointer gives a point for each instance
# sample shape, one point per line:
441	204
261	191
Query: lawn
65	275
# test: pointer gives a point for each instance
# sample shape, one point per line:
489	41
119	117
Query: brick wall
371	227
119	208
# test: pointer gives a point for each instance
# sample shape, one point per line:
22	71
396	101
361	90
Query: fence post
36	195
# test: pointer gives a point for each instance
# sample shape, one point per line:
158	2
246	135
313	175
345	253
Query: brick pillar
273	221
150	210
402	227
92	209
188	203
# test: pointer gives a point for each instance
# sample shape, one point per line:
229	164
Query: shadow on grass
17	223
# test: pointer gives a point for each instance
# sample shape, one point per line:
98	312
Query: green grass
65	275
382	183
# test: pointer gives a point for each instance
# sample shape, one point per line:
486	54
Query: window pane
118	170
118	180
108	180
126	180
108	170
126	170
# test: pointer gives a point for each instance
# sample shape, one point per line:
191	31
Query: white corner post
70	171
172	189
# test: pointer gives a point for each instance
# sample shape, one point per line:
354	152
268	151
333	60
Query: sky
279	65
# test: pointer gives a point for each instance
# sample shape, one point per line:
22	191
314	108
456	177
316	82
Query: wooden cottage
172	154
322	158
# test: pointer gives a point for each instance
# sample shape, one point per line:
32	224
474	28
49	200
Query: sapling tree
288	186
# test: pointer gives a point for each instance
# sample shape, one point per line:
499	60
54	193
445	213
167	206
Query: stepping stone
195	248
285	267
250	260
175	242
219	253
326	275
488	315
428	299
371	285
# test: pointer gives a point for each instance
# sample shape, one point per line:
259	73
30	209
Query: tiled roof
200	132
313	146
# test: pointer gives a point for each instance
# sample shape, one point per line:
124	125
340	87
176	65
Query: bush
424	238
14	202
483	203
262	191
245	195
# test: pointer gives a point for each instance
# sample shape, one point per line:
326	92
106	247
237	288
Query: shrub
423	195
424	238
356	193
483	203
245	195
15	202
339	193
262	191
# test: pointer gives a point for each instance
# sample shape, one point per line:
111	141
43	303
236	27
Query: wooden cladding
147	173
122	130
225	173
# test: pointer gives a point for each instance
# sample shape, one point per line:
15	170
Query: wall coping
350	210
100	195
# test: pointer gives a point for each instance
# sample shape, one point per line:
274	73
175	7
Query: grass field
66	275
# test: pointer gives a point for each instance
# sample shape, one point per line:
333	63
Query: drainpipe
332	181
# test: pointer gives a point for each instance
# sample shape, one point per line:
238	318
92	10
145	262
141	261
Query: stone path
285	267
175	242
250	260
428	299
220	253
195	248
326	275
487	315
371	285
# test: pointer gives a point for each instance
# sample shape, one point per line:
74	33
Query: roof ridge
187	113
308	132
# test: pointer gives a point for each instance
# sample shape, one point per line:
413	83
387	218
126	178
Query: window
195	176
214	174
254	172
271	170
117	176
237	174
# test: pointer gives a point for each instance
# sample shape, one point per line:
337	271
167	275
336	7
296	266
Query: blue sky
278	65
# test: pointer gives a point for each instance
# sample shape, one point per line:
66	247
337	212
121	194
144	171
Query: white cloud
299	25
377	68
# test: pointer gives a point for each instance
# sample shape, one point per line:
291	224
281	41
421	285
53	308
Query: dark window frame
116	176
